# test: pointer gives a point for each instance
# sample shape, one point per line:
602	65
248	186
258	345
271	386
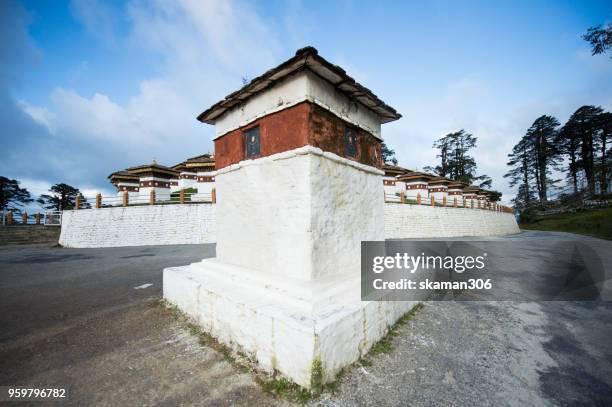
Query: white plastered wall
438	195
139	226
303	86
412	193
422	221
394	190
292	208
187	183
206	187
161	193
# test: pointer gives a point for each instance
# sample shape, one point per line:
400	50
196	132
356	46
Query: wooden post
152	197
418	198
98	200
478	203
464	202
24	217
77	202
213	195
9	218
433	202
182	196
472	203
402	197
38	218
444	201
126	198
454	202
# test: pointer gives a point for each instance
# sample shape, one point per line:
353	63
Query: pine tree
605	134
568	144
443	146
541	138
584	125
388	154
455	161
521	173
12	196
62	197
600	38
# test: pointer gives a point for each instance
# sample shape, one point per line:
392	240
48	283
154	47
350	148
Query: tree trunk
526	180
542	169
587	160
603	178
537	178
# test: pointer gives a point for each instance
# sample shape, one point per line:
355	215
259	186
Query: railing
125	199
47	218
597	203
447	201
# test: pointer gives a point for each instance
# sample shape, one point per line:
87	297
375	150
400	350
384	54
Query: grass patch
283	388
382	346
385	344
597	223
365	362
316	376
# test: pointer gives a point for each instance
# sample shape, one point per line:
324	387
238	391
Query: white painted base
284	325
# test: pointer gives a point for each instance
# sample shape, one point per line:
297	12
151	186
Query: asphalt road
81	318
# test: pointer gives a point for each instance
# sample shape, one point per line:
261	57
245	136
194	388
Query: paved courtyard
81	318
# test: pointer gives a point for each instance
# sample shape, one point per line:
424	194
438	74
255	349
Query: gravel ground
81	318
483	354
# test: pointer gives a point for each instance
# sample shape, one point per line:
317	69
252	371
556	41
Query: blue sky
88	87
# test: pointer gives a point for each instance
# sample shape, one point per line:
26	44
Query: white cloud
98	18
204	48
35	187
472	104
40	115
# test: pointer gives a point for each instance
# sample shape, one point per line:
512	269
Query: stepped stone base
286	326
29	234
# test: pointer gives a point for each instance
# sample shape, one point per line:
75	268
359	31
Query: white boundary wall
196	223
139	226
420	221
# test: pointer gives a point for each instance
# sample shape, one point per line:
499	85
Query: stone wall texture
421	221
196	223
283	227
28	234
139	226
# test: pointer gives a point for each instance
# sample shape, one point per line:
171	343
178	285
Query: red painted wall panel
297	126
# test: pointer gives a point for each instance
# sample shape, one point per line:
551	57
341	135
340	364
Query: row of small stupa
414	184
196	173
